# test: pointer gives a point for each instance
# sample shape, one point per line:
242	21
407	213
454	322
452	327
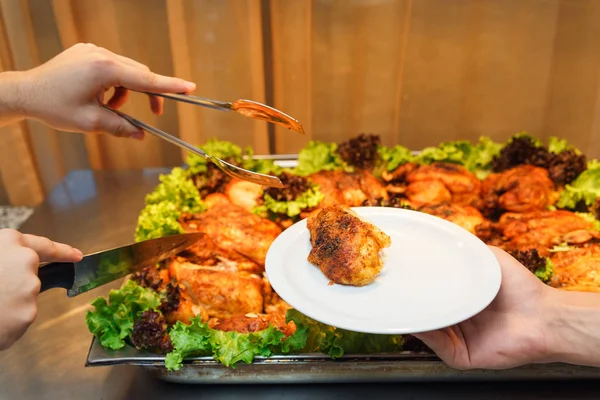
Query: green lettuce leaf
311	198
477	158
177	189
219	148
319	156
232	347
158	220
392	157
557	146
188	340
480	160
457	152
545	273
336	342
591	218
112	321
175	194
586	188
229	348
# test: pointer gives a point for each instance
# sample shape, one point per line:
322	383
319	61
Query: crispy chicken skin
465	216
520	189
253	323
345	247
577	269
205	252
243	194
436	183
233	228
220	290
353	190
542	230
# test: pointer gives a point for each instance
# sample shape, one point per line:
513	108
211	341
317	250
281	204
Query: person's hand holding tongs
247	108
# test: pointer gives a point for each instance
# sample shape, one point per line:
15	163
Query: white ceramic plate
436	274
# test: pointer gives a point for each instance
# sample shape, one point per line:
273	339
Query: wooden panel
414	72
573	108
356	55
217	44
507	62
71	146
20	177
110	24
291	60
20	35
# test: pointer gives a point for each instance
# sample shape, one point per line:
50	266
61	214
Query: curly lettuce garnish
393	157
299	193
175	188
477	158
319	156
158	220
336	342
557	146
545	273
229	348
585	189
112	321
309	199
218	148
541	267
231	153
176	194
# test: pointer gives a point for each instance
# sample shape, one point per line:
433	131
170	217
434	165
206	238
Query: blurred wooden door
416	72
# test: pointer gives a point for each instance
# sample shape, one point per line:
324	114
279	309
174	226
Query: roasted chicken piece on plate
541	230
577	269
522	189
233	228
466	217
345	247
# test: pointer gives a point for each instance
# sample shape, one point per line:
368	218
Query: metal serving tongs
247	108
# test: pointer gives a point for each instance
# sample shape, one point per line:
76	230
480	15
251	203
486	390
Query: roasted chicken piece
220	290
577	269
344	188
465	216
520	189
233	228
345	247
253	323
244	194
205	252
542	230
434	184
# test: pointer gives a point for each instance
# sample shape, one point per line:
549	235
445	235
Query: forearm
574	328
11	97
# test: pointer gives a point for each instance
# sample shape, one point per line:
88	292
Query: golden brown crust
345	247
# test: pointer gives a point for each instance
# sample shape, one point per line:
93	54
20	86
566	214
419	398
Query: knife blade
106	266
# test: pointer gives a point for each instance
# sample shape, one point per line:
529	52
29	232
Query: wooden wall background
414	71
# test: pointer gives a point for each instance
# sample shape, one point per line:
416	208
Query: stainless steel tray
320	368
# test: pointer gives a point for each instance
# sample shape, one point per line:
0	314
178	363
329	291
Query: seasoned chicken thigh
345	247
